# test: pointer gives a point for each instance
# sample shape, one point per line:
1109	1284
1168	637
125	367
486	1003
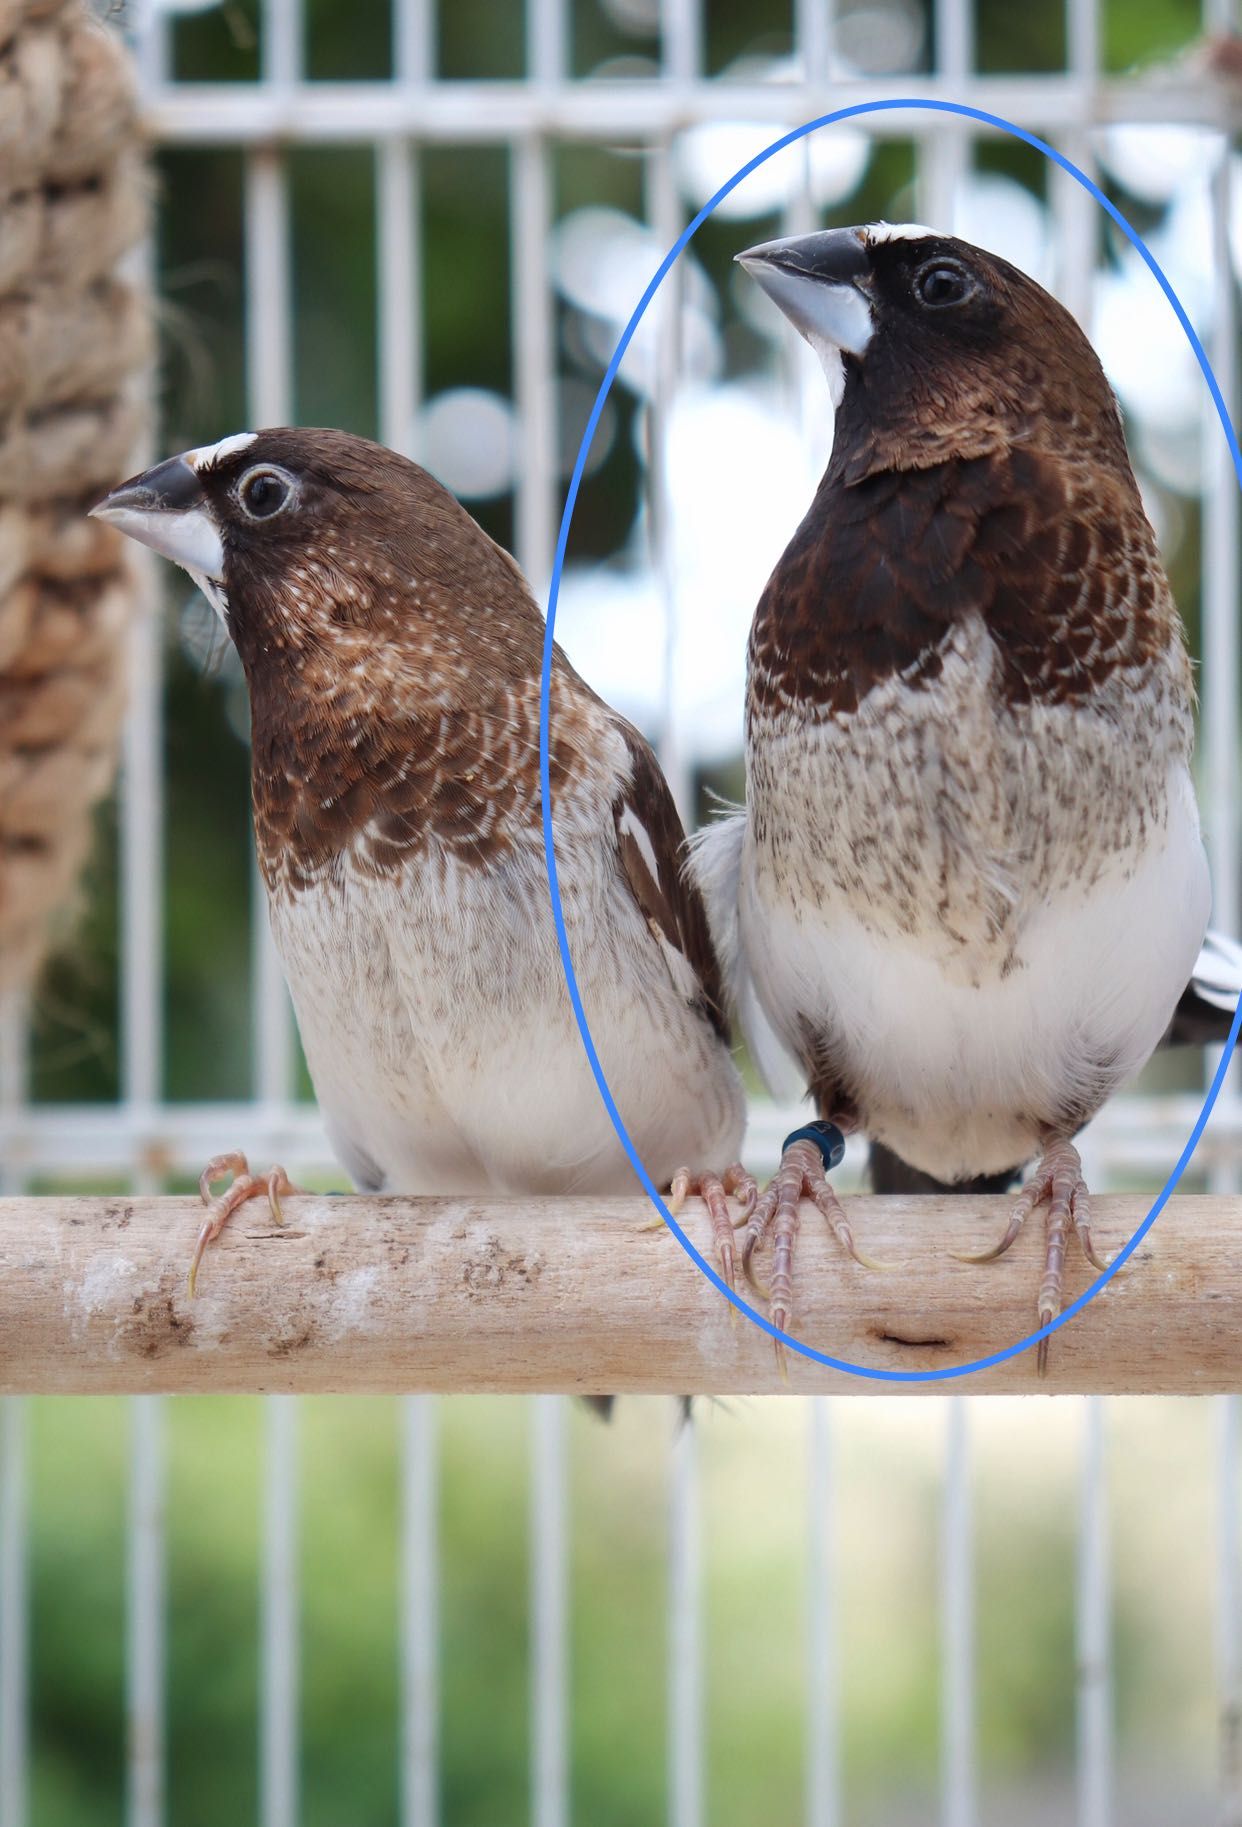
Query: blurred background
430	225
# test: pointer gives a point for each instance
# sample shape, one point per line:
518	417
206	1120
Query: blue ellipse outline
888	105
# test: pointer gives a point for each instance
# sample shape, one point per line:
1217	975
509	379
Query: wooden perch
387	1294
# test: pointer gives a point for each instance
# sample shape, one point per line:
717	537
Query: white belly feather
1013	946
443	1047
960	1077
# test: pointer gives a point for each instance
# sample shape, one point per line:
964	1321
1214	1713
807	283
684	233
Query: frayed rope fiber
75	355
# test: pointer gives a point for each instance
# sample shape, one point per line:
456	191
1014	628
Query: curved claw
761	1288
871	1262
204	1238
1082	1224
1015	1225
744	1188
278	1182
1092	1254
831	1210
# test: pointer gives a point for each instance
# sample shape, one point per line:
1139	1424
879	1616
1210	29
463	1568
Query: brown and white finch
968	887
392	653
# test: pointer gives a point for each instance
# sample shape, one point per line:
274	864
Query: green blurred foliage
887	1457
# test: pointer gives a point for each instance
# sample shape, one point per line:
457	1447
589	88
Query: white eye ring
257	500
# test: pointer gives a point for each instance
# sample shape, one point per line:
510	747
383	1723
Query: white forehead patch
208	454
877	232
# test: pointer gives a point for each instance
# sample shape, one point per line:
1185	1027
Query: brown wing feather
668	900
1058	559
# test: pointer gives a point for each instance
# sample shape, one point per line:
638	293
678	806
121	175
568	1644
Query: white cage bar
531	119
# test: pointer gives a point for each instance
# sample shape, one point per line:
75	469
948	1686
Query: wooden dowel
387	1294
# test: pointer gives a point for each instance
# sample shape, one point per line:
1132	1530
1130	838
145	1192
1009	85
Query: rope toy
75	346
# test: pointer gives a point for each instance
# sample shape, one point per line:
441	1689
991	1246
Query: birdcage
431	224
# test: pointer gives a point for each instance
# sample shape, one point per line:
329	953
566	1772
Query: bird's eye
263	492
942	282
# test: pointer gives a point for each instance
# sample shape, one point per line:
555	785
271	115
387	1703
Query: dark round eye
942	282
264	492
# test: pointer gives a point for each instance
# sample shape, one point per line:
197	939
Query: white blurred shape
833	159
699	349
1157	159
1003	216
603	261
879	37
739	482
641	17
1144	350
468	439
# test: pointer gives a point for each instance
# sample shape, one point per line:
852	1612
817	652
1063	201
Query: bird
392	653
968	885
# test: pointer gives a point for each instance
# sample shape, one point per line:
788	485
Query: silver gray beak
166	509
820	282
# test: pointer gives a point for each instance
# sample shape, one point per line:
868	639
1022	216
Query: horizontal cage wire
667	123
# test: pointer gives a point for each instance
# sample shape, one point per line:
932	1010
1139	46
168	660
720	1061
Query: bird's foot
275	1183
1058	1180
803	1173
713	1189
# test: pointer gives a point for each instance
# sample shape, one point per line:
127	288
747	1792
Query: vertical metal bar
269	386
681	34
1093	1620
400	316
14	1521
958	1799
954	46
1229	1608
549	1579
1219	570
545	42
685	1618
813	20
142	858
400	341
823	1735
280	43
145	1614
151	45
1075	214
681	30
535	512
141	867
413	41
534	375
420	1616
269	321
1082	37
664	212
944	152
944	159
534	363
278	1701
14	1626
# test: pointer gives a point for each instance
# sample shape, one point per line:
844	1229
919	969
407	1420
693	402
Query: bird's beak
820	283
166	509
